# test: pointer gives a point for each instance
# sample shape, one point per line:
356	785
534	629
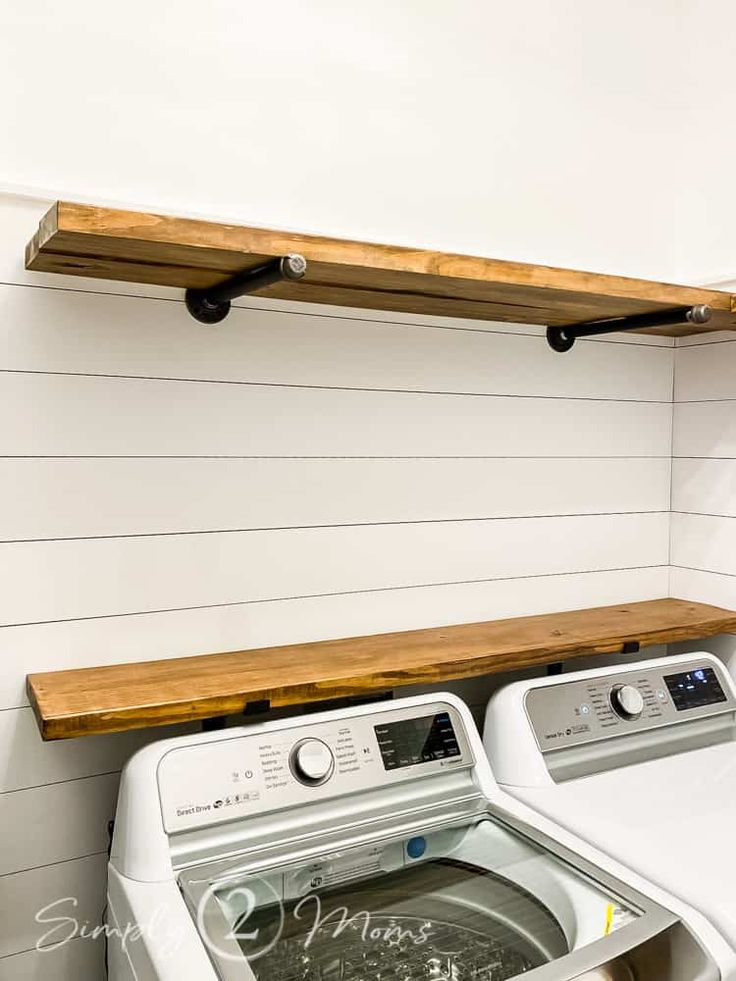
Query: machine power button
312	762
627	701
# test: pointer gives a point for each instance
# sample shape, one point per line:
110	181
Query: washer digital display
413	741
693	689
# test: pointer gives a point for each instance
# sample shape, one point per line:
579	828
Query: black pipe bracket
561	339
212	305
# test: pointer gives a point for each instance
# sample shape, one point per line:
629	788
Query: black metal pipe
212	305
562	338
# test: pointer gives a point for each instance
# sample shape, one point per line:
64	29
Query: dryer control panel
636	701
249	773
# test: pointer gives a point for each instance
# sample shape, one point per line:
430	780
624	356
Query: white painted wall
703	520
593	135
703	530
299	473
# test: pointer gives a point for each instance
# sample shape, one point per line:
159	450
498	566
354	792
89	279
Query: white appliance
637	759
369	843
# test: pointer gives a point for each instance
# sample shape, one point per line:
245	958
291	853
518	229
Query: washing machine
369	843
637	759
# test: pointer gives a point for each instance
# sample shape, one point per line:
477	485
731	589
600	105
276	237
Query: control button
312	762
584	709
416	847
661	694
627	701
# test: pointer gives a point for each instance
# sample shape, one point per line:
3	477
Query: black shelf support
214	723
561	339
210	306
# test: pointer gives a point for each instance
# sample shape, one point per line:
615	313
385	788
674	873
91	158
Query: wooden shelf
81	240
118	697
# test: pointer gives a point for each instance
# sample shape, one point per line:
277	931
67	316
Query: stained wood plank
83	240
128	696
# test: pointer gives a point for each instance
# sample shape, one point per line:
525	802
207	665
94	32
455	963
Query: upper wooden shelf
87	701
81	240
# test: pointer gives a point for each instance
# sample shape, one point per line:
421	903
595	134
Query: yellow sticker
609	919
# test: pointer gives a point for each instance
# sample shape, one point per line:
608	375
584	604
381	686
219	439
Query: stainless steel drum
441	921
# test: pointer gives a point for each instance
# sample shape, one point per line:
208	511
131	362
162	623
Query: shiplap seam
346	592
302	386
511	330
258	529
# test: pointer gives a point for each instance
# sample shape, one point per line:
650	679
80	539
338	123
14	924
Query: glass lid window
477	903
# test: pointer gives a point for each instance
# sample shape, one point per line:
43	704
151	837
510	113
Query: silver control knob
312	762
627	701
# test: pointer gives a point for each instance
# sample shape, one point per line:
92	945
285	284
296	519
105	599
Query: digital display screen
412	741
693	689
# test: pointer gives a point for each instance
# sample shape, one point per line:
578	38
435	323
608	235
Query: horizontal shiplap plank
703	586
56	823
69	415
705	429
704	486
47	892
102	577
44	330
85	643
26	761
50	498
706	371
699	339
706	542
79	960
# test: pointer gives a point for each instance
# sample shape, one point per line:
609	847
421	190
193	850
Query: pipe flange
204	309
559	340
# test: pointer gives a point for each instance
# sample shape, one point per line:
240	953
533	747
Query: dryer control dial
627	701
312	762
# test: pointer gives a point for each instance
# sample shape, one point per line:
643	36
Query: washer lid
671	819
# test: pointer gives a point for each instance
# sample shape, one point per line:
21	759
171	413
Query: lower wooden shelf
118	697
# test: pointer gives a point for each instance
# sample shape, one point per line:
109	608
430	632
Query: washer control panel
610	705
253	772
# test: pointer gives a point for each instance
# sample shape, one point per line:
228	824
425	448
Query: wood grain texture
129	696
83	240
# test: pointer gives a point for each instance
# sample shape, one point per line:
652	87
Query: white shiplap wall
298	473
704	469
